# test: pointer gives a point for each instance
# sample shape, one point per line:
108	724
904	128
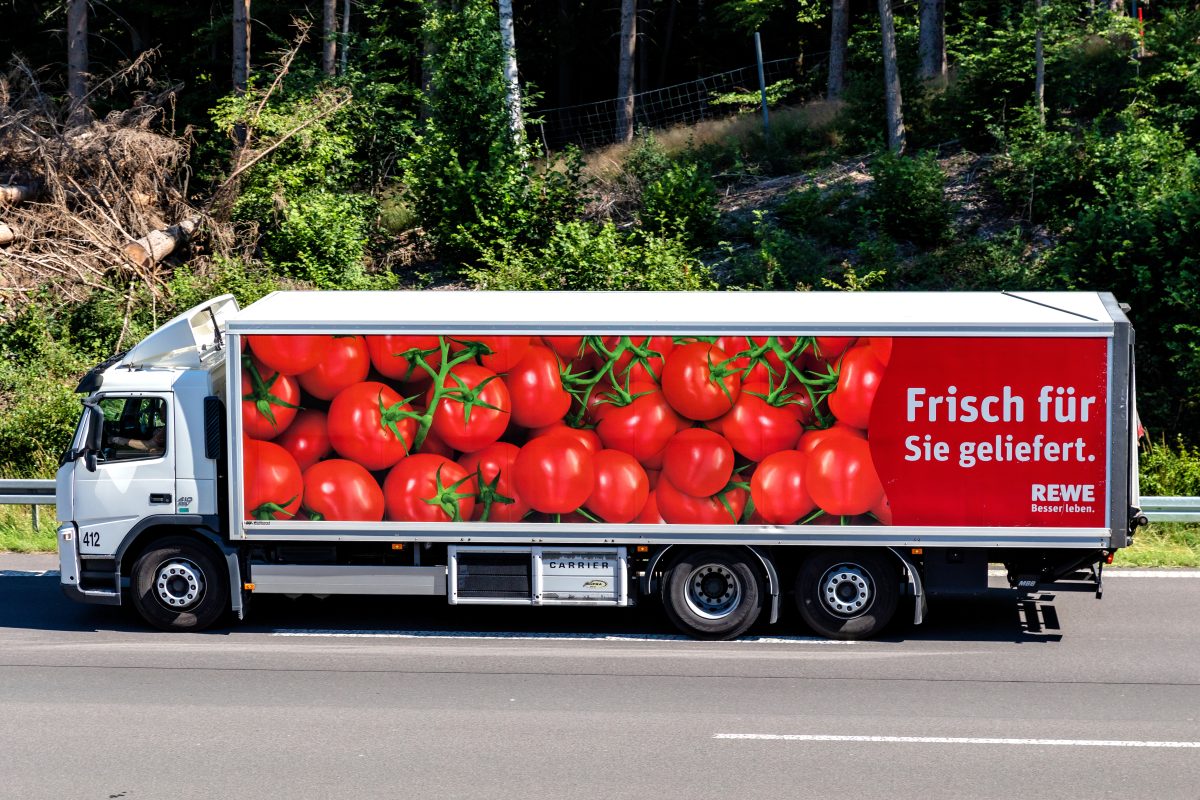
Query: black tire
713	594
848	594
193	592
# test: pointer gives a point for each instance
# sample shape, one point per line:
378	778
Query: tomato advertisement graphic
636	429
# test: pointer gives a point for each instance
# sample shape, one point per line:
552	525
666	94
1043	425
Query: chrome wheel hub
847	590
179	584
713	591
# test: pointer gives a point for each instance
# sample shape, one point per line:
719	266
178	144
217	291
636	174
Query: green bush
1168	469
586	255
681	202
908	198
830	214
774	259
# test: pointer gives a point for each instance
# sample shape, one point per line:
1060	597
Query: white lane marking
566	637
954	740
18	573
1128	573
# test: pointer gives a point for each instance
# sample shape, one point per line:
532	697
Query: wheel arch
202	529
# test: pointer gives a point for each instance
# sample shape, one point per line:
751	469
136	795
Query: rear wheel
713	594
179	585
848	594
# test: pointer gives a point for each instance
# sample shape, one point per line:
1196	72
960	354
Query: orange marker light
642	548
249	587
397	546
918	551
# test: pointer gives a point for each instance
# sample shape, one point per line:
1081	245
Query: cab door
135	474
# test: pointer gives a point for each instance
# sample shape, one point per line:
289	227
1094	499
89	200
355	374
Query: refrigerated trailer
729	455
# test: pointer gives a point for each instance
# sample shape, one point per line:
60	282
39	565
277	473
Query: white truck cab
144	460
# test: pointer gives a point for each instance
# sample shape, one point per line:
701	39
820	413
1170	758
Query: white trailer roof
810	313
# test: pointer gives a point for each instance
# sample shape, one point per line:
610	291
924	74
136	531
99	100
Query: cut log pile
99	206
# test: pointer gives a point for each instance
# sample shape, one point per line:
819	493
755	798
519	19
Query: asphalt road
405	699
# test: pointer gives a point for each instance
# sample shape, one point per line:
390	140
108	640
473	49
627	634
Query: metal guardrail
27	492
41	492
1171	509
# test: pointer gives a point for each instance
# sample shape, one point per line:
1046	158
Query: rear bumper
70	572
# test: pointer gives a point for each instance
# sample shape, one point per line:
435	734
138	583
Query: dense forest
153	154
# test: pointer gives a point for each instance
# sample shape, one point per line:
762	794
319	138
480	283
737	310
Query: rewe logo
1065	492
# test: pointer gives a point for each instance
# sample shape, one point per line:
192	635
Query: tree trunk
15	193
932	44
77	60
565	43
891	79
512	85
625	71
839	35
345	34
666	50
7	235
157	245
241	44
329	37
1117	6
1039	57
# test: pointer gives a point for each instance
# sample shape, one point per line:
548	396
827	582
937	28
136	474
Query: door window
134	428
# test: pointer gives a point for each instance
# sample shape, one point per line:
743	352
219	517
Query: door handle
159	499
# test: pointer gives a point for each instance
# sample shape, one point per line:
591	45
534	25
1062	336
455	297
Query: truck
729	454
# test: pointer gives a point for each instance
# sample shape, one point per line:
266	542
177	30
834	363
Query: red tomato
768	367
273	486
830	347
434	444
585	436
340	490
631	366
679	508
289	354
810	439
536	390
568	348
778	488
398	357
858	381
307	438
345	363
497	499
428	488
882	510
881	346
841	477
641	428
270	401
696	384
507	351
600	401
649	514
698	462
473	409
756	428
620	489
369	423
554	474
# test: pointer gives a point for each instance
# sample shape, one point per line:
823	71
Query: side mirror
95	431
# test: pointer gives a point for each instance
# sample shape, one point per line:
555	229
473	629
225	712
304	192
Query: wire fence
595	124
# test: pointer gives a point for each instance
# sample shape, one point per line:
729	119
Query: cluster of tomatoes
619	429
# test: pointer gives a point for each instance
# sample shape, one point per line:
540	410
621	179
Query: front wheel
178	585
848	594
713	594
